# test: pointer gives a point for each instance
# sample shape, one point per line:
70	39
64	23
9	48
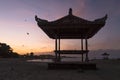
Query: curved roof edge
71	27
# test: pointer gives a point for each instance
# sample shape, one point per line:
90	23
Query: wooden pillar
86	47
82	48
59	48
56	48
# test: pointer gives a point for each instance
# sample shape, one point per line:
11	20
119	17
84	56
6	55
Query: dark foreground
19	69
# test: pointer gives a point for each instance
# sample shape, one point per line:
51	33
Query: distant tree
31	54
15	55
6	51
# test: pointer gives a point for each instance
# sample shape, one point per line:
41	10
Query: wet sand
20	69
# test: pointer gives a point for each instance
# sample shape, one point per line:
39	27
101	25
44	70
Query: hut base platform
72	65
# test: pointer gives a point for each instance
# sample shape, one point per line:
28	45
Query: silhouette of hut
105	55
71	27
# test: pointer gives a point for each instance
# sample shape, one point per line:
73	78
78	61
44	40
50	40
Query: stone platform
72	65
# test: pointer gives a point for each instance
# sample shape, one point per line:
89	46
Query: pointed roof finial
70	11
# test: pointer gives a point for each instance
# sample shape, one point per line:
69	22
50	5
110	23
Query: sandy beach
20	69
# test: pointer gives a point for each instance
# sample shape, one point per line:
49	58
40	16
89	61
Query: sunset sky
17	19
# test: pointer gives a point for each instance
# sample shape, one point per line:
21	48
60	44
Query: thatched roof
71	27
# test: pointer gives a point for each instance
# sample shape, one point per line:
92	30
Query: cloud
43	47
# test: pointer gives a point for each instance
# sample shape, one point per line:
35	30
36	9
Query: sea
96	54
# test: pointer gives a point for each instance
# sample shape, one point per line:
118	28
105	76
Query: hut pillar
86	47
59	49
82	48
56	48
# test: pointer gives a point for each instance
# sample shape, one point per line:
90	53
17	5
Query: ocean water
50	60
113	54
40	60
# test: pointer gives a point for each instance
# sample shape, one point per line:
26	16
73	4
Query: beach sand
20	69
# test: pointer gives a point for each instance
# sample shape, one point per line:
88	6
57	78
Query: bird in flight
27	33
